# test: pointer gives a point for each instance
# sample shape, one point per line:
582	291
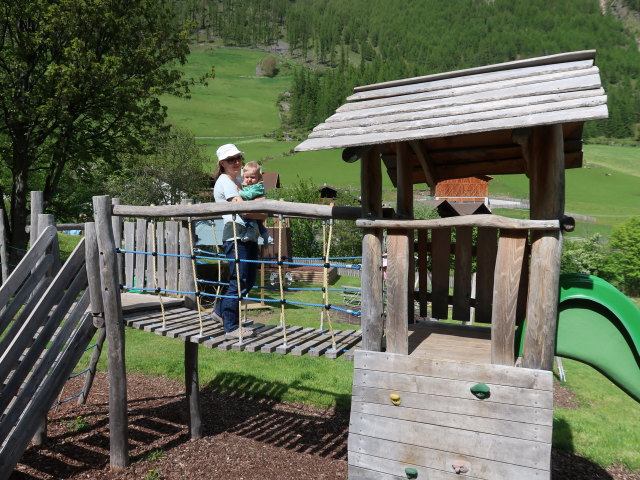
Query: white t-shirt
224	190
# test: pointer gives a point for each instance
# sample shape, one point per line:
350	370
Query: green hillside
236	102
356	42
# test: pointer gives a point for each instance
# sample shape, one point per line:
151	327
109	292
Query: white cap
227	150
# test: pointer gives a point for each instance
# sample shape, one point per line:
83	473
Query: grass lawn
605	428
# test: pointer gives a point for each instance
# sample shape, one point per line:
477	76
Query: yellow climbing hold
395	399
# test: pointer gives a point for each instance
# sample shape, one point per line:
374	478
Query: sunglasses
233	159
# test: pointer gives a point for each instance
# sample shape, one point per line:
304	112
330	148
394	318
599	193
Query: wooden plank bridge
143	312
431	339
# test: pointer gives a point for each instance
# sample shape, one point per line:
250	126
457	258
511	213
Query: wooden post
37	207
117	236
545	158
114	324
372	301
97	310
191	380
511	249
93	362
4	258
186	265
45	220
42	221
397	286
93	269
192	386
404	209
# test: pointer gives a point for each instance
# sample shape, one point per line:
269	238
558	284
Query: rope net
206	299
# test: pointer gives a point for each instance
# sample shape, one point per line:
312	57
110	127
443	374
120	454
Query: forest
342	44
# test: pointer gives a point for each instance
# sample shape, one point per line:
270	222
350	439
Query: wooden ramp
42	341
143	312
415	415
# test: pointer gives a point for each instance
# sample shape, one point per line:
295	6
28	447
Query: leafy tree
174	170
623	265
585	256
267	66
80	80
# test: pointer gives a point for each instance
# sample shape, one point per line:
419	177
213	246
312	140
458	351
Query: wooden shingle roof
563	88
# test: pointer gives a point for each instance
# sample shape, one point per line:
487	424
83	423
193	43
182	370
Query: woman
227	189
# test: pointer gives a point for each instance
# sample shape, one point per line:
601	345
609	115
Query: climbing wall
433	419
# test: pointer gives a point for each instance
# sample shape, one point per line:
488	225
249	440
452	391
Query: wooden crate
440	425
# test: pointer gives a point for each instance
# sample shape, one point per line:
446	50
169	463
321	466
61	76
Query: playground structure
441	399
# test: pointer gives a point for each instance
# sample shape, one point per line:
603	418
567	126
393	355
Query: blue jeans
228	308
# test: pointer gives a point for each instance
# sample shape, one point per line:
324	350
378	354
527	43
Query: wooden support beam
187	283
210	210
118	434
462	275
372	306
46	220
37	207
117	224
192	387
93	268
511	249
495	221
423	158
404	209
397	287
547	191
93	362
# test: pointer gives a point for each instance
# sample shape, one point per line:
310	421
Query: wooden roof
446	117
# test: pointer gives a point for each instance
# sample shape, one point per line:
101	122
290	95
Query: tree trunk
18	237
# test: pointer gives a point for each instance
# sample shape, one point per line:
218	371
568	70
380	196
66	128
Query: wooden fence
45	329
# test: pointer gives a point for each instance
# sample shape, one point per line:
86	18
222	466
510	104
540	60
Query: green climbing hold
481	390
411	472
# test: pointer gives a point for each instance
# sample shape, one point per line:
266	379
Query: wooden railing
501	253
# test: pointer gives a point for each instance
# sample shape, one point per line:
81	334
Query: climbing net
198	255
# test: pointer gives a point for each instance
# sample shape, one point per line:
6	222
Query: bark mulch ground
244	438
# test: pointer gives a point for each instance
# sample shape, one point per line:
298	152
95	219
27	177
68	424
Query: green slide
600	326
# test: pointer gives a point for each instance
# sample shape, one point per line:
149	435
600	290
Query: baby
252	188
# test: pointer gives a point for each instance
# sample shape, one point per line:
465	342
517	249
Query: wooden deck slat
208	329
275	337
235	342
271	346
324	347
283	349
304	348
343	346
261	332
190	327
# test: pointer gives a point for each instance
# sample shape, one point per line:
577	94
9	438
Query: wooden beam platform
447	341
184	324
427	339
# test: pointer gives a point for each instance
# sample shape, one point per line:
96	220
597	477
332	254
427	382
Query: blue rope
121	250
210	282
90	347
66	400
80	373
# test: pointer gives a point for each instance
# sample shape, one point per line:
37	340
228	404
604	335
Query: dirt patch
244	438
563	397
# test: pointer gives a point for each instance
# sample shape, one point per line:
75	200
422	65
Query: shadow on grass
565	464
